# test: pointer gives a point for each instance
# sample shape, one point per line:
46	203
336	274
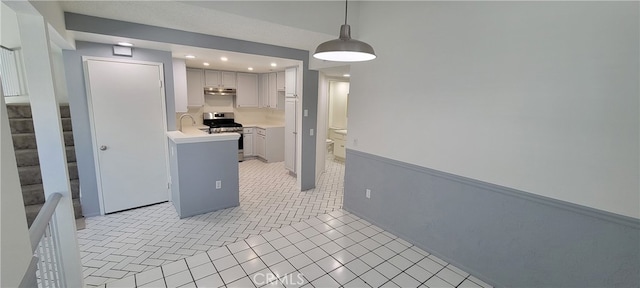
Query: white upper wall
338	94
538	96
14	236
318	16
9	33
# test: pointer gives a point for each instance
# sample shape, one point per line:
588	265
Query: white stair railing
44	270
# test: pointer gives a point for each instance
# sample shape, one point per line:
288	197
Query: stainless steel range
223	122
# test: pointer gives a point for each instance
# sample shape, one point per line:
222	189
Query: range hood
219	91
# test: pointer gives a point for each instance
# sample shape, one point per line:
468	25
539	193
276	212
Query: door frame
94	142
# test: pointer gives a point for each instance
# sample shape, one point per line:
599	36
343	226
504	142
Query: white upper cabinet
275	102
220	79
195	91
280	81
180	84
291	79
247	90
228	79
264	91
212	78
269	95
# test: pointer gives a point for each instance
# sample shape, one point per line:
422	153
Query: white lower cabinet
269	143
247	135
260	145
339	144
339	149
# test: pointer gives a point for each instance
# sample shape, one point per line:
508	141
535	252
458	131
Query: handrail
39	225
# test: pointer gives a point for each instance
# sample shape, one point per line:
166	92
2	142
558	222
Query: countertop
263	125
192	134
341	131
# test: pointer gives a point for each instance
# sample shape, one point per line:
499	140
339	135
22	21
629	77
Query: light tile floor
337	249
277	237
118	245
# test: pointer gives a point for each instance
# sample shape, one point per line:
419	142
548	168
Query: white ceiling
202	17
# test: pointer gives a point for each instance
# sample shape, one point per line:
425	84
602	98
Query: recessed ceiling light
274	64
125	44
189	56
224	58
205	64
250	68
346	75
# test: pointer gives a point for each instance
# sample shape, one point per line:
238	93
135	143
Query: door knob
103	147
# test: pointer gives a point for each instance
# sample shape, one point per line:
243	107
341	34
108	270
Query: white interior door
290	131
127	106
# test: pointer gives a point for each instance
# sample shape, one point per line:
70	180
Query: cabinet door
248	144
180	85
260	146
212	78
195	90
228	79
290	135
280	81
291	75
264	91
247	90
339	149
273	92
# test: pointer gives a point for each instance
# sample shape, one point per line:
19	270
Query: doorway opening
333	96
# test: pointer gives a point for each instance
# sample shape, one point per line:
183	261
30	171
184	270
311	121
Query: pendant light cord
346	7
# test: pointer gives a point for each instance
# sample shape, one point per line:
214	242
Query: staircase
24	143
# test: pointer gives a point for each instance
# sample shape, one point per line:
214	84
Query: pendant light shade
345	49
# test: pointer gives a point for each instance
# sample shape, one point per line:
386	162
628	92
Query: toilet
329	146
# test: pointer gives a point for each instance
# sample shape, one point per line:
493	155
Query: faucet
193	121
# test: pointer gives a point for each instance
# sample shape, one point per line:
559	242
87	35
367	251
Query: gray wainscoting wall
195	168
504	236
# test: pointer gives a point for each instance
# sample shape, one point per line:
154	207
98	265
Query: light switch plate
311	132
306	112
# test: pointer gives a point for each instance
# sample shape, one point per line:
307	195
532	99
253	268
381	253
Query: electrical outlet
367	193
306	113
310	132
218	184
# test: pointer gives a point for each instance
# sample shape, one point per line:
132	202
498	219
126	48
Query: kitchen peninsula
204	171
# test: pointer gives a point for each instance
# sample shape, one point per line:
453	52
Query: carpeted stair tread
31	174
21	110
29	157
28	140
65	112
18	111
34	194
32	210
21	125
25	125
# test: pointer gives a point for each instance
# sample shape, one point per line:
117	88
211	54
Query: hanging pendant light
345	49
